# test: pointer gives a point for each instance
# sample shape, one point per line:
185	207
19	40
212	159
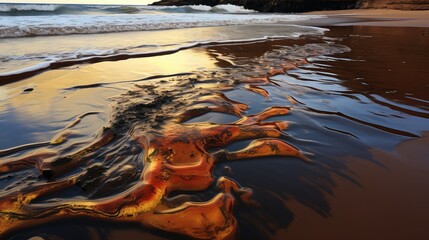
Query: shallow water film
322	135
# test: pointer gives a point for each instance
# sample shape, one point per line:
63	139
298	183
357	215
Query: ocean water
34	37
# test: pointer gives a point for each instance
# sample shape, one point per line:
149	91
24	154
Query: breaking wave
24	26
58	9
28	7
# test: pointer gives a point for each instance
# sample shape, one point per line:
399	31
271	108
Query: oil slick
177	155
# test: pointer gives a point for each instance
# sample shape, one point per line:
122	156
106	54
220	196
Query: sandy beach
326	122
374	17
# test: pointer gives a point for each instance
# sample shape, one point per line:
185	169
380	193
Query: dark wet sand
390	198
392	202
393	199
373	17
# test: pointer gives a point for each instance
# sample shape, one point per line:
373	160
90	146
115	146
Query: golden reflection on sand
56	89
3	94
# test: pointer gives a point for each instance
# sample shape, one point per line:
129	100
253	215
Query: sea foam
40	9
28	7
25	26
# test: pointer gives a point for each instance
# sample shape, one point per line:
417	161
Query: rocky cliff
306	5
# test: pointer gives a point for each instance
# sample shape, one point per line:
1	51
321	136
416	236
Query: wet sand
360	115
388	201
373	17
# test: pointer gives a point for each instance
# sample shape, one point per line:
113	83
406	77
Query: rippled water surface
358	109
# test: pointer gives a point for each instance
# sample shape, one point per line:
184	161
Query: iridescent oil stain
175	158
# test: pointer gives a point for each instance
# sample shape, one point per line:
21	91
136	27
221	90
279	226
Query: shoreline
355	17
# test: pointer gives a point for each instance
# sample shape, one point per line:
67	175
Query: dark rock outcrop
306	5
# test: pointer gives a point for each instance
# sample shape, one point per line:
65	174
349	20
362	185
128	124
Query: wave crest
58	9
28	7
222	8
231	9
